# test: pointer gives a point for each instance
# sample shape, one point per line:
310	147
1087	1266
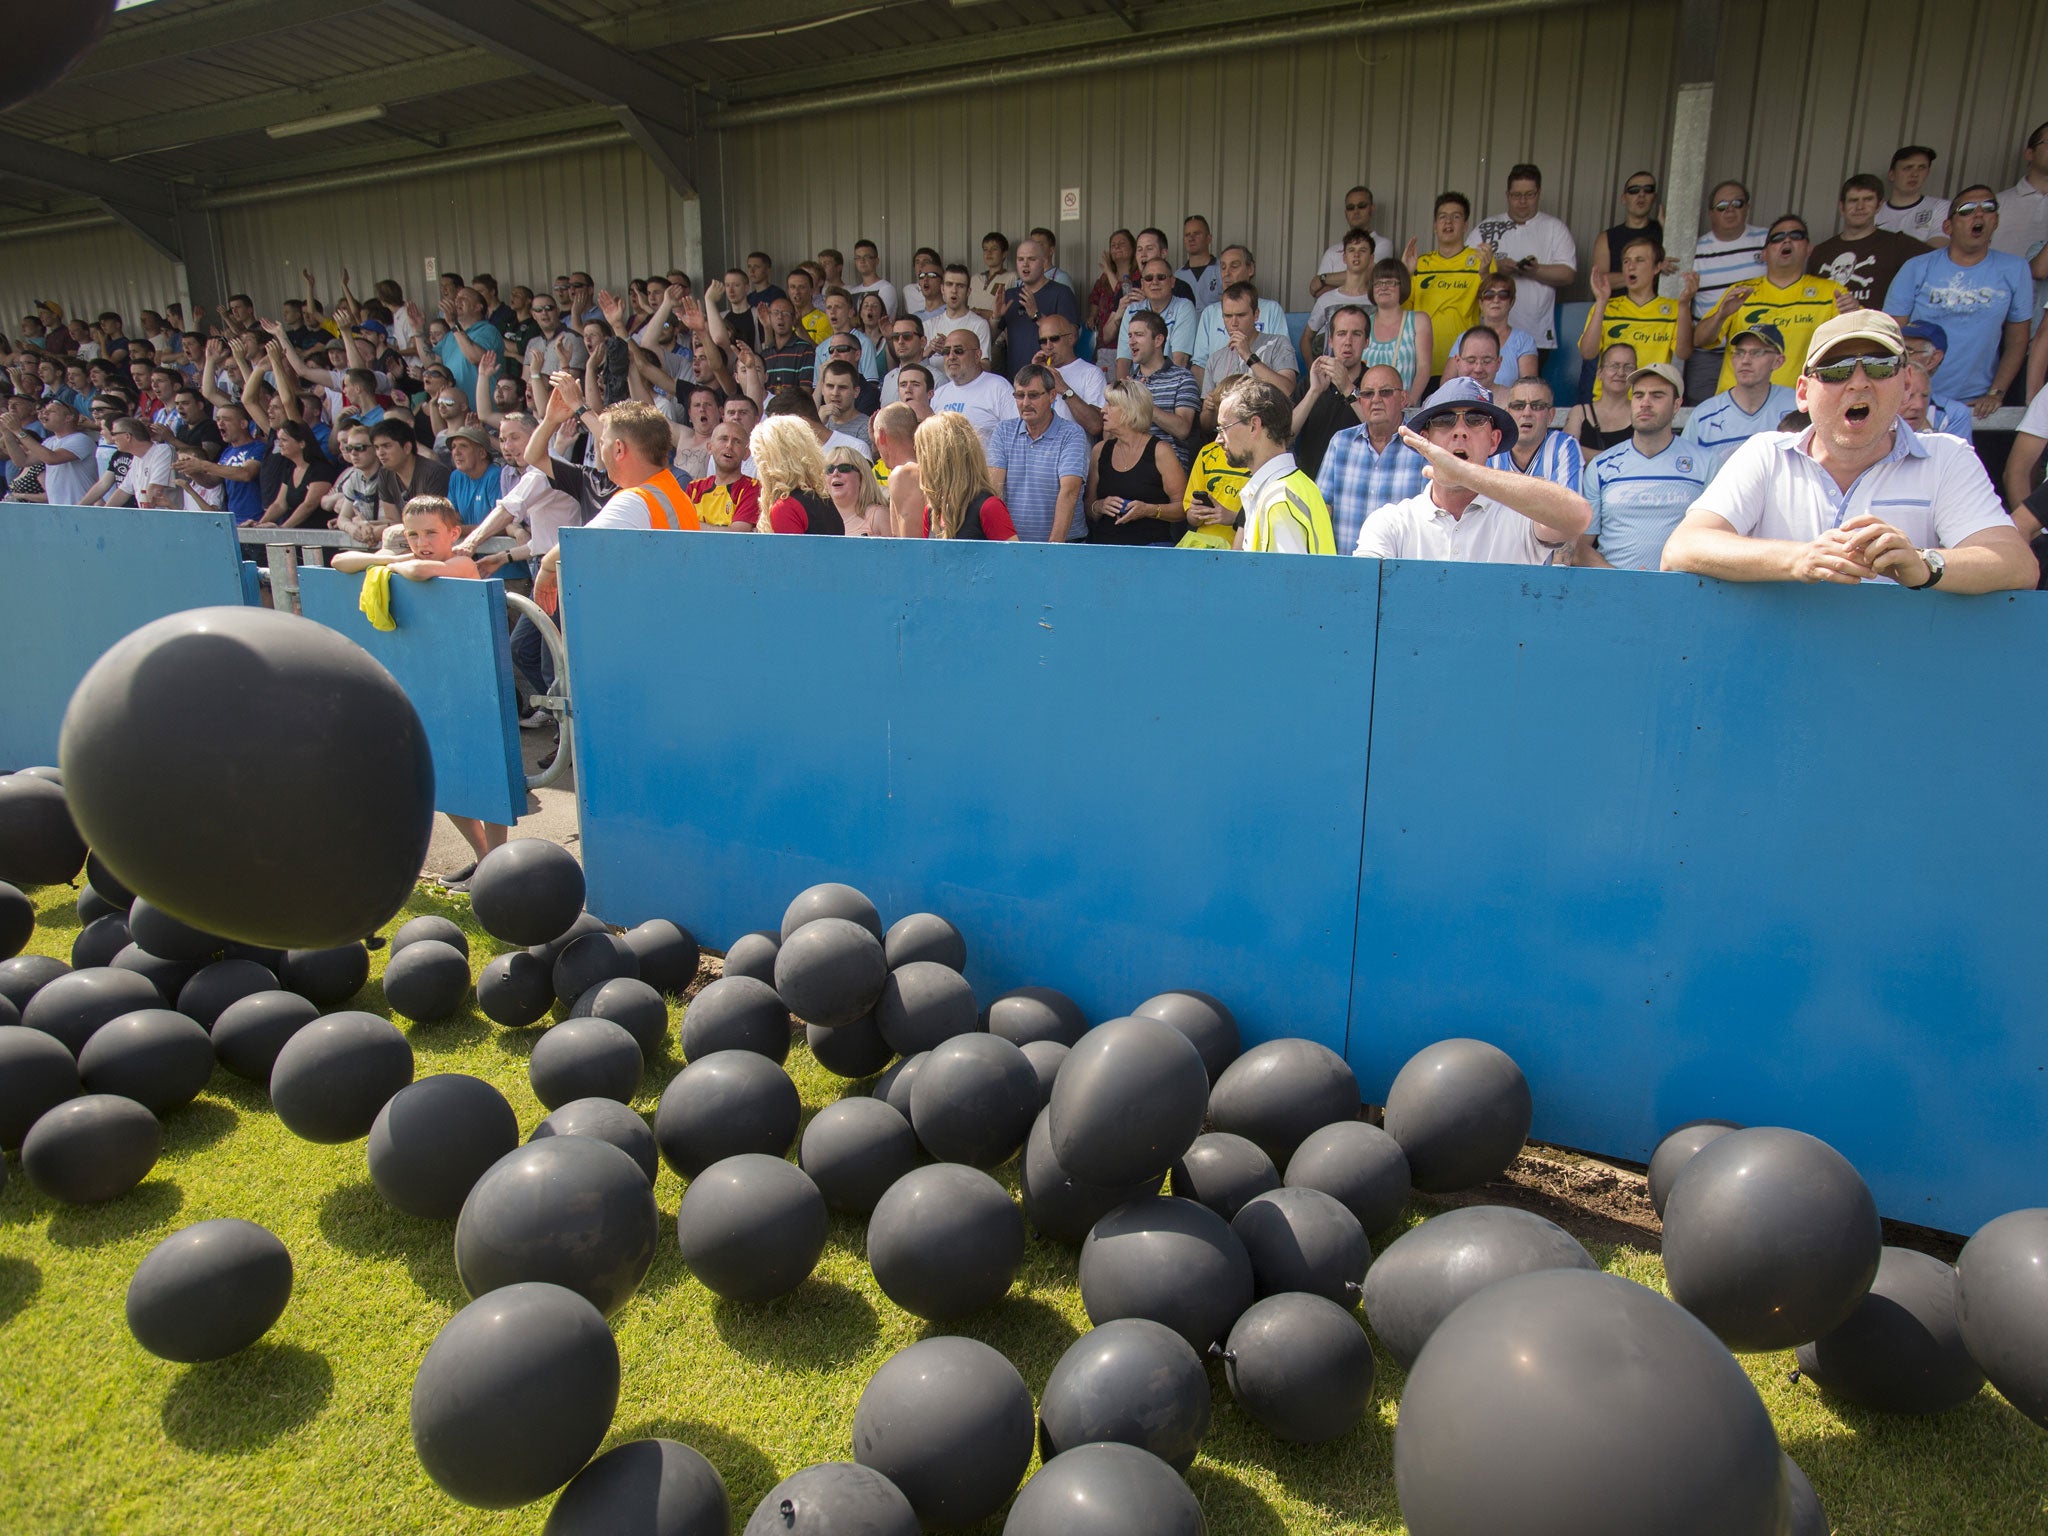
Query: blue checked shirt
1032	468
1358	479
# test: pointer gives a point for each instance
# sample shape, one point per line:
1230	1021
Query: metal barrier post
556	700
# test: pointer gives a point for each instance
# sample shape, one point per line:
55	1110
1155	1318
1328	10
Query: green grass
307	1431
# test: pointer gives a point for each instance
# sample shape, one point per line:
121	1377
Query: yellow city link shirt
1212	475
1794	309
1446	288
1652	329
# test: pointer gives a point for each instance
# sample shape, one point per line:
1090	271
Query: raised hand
608	305
1602	284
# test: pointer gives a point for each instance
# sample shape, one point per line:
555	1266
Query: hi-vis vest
668	505
1294	497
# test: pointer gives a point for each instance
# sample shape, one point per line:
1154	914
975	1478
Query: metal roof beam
155	43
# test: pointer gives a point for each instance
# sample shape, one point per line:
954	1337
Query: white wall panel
88	271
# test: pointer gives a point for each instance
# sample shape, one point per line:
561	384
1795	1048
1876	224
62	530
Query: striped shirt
1638	498
1173	389
1722	264
1357	479
1720	425
1557	459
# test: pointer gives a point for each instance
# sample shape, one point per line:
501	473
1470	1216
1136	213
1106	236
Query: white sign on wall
1070	205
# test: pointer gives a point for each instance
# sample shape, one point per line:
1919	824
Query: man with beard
1284	513
1640	489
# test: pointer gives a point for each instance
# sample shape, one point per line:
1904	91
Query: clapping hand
608	305
1602	283
568	392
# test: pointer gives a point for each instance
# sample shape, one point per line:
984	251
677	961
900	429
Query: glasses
1357	207
1495	293
1158	277
1385	391
1787	237
841	469
1527	405
355	447
923	275
843	351
1458	419
955	351
1729	204
1875	369
1640	188
1975	205
1223	426
1049	337
906	335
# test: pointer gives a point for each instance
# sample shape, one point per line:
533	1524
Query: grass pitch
307	1431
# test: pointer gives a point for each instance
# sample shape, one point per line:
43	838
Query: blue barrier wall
1117	772
1684	849
450	654
77	580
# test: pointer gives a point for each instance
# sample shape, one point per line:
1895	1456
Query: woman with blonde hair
959	501
793	479
1135	481
850	480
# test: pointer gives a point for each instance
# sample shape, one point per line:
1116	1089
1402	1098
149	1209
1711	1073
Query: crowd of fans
1833	385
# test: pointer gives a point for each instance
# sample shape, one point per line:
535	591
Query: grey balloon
1129	1102
1566	1403
208	1291
215	988
426	980
974	1100
1223	1171
10	1016
753	954
1303	1240
1132	1381
547	954
17	910
668	954
923	1004
1106	1490
643	1488
1203	1019
1900	1351
515	989
854	1149
1059	1206
834	1498
433	1140
1678	1148
852	1050
591	961
924	936
25	975
1359	1164
1278	1093
167	976
2002	1307
516	1393
1025	1014
91	1149
736	1013
36	1075
635	1007
722	1105
831	971
1173	1261
76	1003
833	900
162	934
1771	1238
945	1241
103	937
893	1086
585	1059
158	1058
949	1422
332	1077
328	977
248	1036
527	891
18	917
1046	1058
607	1120
571	1211
1461	1110
430	925
1427	1272
1808	1517
1301	1366
752	1227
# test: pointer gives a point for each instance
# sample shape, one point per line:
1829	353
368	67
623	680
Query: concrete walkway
550	813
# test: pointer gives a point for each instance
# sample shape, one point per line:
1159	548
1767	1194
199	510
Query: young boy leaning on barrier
432	525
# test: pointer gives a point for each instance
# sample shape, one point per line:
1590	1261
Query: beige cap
475	435
1668	372
1857	325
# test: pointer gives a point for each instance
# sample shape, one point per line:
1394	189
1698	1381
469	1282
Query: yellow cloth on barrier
376	599
1214	536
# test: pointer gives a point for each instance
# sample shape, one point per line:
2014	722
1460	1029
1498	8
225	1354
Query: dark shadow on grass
1229	1505
88	1226
1020	1328
197	1126
20	1280
747	1472
244	1402
356	1218
821	1325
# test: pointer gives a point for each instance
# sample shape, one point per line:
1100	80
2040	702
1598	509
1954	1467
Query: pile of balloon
1222	1198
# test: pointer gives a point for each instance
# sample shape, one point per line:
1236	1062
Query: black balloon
585	1059
2002	1307
922	1005
1060	1206
37	1074
1223	1171
736	1013
46	41
944	1241
426	980
633	1005
1129	1101
974	1100
10	1016
668	954
1025	1014
851	1050
210	1290
158	1058
333	1077
1173	1261
854	1149
831	900
106	884
1279	1093
753	954
1678	1148
605	1120
167	976
1106	1490
18	920
1900	1351
171	938
924	936
752	1227
1361	1165
98	942
949	1422
430	925
722	1105
219	706
326	977
551	951
1461	1111
1808	1518
515	989
572	1211
1203	1019
1303	1240
1132	1381
214	988
79	1002
591	961
834	1498
1046	1058
91	1149
92	906
515	1395
527	892
893	1086
434	1139
25	975
1301	1366
248	1036
39	845
831	971
643	1488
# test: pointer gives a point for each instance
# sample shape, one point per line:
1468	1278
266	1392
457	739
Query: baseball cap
1462	394
1926	330
1764	332
475	435
1666	371
1857	325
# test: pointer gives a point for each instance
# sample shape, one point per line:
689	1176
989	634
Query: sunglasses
1157	277
1876	369
1356	207
923	275
1495	293
1458	419
956	351
1975	205
1382	393
1787	237
1727	204
906	335
844	351
1641	189
1527	405
841	469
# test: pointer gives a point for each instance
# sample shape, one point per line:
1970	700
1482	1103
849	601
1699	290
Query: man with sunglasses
1470	511
1784	297
558	348
1358	212
1367	466
1857	496
984	398
1155	293
1982	298
929	301
1539	448
906	345
1082	389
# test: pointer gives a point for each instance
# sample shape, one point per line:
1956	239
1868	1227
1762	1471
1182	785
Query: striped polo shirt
1722	264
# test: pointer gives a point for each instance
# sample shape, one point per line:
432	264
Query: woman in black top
1135	480
301	487
1600	424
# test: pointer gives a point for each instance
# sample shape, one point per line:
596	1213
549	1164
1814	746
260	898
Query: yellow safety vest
1293	496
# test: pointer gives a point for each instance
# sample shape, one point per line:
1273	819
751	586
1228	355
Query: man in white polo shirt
1470	511
1802	506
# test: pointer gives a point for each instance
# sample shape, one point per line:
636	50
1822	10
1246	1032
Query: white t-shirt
1544	237
1931	488
1333	258
943	324
1487	534
624	509
544	510
66	485
155	469
1086	380
2035	422
885	288
1923	220
984	402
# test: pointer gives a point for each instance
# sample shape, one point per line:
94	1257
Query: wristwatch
1936	564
